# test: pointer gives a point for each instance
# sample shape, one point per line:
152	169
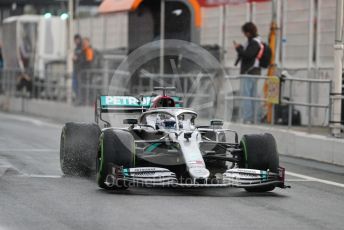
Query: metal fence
197	90
54	85
15	83
288	100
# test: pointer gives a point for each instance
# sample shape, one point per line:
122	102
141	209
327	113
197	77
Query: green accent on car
264	175
152	147
101	145
126	172
242	142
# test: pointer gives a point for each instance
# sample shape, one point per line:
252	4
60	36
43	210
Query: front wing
161	177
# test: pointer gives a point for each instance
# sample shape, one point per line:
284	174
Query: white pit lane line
309	178
31	120
298	180
29	150
40	176
5	165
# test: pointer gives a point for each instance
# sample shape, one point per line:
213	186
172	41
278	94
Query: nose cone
199	173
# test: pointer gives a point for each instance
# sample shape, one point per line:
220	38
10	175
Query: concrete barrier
55	110
292	143
299	144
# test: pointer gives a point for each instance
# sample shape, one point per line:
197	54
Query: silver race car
165	148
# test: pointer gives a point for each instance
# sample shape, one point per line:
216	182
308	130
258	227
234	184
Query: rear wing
126	104
123	104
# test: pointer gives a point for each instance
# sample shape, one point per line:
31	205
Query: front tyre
260	152
116	148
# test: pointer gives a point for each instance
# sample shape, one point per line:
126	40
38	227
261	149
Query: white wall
326	30
108	31
211	27
261	15
236	16
297	29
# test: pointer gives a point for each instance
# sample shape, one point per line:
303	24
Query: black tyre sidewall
260	152
78	148
116	148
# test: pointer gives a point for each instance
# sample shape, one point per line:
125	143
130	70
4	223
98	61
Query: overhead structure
110	6
183	19
151	20
215	3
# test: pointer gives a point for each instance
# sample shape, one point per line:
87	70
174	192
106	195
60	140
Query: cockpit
161	120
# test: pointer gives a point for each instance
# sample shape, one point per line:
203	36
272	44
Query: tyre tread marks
79	145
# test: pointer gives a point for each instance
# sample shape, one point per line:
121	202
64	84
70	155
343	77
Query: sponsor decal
264	175
144	169
129	101
242	170
125	101
242	176
125	172
273	84
196	163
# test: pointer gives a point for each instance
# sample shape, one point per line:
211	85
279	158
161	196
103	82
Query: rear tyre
116	148
78	148
260	152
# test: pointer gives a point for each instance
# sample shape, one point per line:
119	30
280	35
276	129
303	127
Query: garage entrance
144	22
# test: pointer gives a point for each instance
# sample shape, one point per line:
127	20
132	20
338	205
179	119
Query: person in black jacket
77	60
249	65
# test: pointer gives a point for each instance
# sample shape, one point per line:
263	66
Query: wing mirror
216	123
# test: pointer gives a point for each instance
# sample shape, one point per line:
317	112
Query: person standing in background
25	62
88	53
84	75
77	59
249	65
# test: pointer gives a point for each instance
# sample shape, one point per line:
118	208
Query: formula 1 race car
164	147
